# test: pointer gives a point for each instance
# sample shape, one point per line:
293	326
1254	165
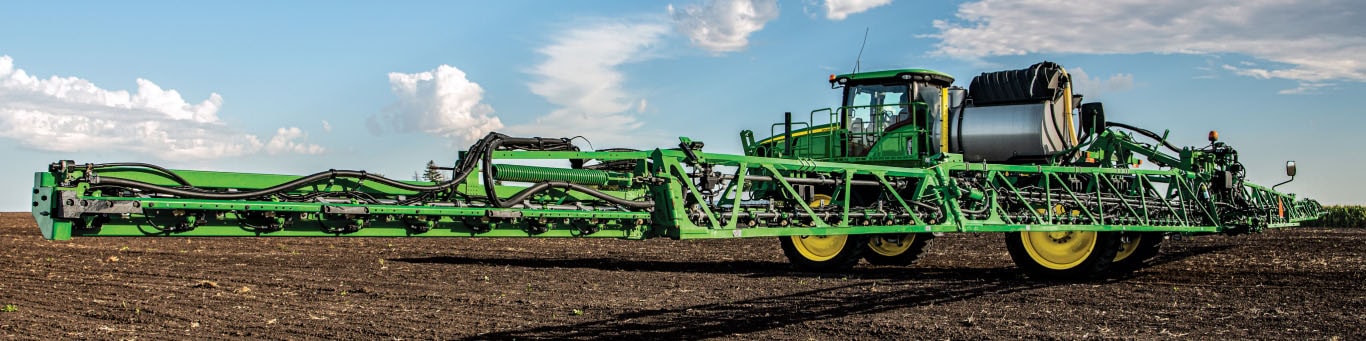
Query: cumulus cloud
580	76
441	102
327	126
839	9
1314	42
723	25
284	142
1083	83
70	114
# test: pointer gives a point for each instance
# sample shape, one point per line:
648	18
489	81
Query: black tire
799	251
1082	255
1145	246
894	254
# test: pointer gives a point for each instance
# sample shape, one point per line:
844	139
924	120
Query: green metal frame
891	189
683	210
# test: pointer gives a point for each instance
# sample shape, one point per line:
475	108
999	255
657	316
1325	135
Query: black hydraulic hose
1144	132
481	151
977	211
542	186
1057	129
940	211
463	172
496	140
168	173
296	183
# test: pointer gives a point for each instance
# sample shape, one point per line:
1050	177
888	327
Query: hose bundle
480	155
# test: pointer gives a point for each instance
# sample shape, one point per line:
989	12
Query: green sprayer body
905	154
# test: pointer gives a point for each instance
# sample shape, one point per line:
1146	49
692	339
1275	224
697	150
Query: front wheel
824	253
1063	254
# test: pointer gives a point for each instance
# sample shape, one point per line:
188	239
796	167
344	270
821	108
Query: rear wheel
824	253
895	249
1063	254
1136	248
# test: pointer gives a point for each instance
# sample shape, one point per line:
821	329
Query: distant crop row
1341	216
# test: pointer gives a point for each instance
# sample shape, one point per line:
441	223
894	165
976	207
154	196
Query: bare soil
1300	284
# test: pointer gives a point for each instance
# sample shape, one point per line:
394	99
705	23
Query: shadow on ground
921	287
772	312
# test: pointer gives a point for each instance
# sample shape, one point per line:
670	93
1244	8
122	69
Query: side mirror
1289	171
1092	118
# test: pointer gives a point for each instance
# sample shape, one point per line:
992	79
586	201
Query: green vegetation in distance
1341	216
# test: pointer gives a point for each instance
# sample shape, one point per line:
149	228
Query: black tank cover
1040	82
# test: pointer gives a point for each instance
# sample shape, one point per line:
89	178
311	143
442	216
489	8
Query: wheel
824	253
895	249
1136	248
1063	254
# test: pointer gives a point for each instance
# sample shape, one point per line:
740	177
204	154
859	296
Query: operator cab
905	103
891	117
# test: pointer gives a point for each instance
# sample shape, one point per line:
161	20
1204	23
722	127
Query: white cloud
327	126
640	108
580	75
1304	88
1250	69
70	114
1317	41
1084	84
841	9
283	142
723	25
441	102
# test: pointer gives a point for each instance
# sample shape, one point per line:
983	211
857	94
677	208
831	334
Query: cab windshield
874	107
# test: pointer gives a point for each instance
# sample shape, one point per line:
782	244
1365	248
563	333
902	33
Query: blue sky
299	86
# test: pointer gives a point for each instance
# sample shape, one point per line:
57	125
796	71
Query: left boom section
131	199
679	193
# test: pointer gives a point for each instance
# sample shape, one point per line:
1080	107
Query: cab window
873	107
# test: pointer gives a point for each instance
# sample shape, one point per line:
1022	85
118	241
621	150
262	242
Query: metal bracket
503	214
346	210
71	206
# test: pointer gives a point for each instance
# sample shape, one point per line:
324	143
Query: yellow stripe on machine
777	138
944	120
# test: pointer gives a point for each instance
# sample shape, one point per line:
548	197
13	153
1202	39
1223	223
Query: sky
303	86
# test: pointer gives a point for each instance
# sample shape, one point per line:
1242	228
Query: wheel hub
891	245
1060	237
1059	250
819	248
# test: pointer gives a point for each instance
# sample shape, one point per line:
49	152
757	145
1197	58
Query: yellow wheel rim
891	245
819	248
819	200
1127	249
1059	250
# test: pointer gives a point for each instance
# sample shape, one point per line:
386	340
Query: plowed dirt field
1293	284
